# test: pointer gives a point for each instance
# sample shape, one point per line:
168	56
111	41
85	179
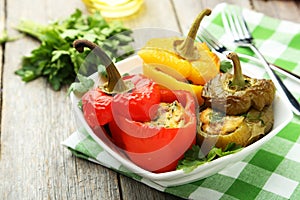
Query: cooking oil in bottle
114	8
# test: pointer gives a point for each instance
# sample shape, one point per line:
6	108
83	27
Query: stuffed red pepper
153	126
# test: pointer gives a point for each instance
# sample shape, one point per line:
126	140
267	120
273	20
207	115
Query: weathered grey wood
213	3
35	120
2	26
286	10
136	190
154	14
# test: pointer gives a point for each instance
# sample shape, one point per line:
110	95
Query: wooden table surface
35	119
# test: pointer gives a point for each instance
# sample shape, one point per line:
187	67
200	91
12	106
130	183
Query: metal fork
216	45
234	21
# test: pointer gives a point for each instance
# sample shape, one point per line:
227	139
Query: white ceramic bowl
282	116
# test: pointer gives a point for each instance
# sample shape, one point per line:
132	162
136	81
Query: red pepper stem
115	82
185	48
238	80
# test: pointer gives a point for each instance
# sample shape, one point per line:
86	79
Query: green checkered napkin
270	173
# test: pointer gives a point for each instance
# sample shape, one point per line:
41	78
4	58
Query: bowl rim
135	62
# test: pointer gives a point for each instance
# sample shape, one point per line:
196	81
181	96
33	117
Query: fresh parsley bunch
57	60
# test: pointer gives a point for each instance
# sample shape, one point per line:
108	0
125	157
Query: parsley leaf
82	86
195	157
56	59
225	66
5	38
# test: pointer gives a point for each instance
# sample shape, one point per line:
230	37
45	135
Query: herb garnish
4	37
225	66
195	157
57	60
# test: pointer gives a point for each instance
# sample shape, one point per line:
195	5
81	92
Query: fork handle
285	72
295	106
291	75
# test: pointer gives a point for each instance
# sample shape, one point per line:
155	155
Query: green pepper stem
238	80
115	82
185	48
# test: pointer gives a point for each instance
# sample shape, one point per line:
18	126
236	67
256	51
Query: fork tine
211	41
240	35
225	22
212	38
237	23
245	27
214	44
241	25
208	42
230	24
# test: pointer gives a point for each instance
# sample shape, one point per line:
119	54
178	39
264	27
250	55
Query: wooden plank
36	120
34	165
2	27
213	3
154	14
136	190
287	10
